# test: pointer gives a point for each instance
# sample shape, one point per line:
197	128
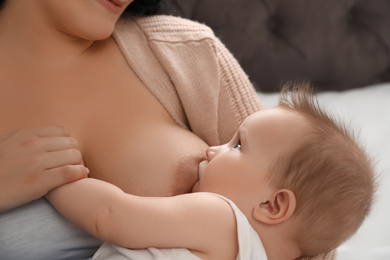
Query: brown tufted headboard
337	44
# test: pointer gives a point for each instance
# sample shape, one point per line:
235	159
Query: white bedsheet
368	110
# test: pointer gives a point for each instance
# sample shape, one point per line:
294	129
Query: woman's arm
196	221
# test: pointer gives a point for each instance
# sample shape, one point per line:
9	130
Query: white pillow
368	111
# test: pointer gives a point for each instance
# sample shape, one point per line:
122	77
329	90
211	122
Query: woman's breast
154	159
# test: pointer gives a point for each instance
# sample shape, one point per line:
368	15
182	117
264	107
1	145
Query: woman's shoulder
167	28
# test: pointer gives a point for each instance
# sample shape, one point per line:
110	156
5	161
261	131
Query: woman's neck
26	33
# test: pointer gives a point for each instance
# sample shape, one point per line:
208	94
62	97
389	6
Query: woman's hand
35	160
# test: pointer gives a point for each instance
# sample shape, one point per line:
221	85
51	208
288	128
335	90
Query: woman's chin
96	31
98	36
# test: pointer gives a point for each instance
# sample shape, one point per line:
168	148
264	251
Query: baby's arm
200	222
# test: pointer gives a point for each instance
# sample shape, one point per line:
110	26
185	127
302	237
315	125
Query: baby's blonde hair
330	174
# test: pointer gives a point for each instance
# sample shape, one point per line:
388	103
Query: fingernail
87	170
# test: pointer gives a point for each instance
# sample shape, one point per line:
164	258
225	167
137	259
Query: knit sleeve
328	256
237	97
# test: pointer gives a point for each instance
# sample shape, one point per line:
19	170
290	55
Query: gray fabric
337	44
35	231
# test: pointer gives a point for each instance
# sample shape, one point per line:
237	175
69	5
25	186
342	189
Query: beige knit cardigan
192	74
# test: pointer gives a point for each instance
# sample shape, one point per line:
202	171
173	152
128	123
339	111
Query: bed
343	47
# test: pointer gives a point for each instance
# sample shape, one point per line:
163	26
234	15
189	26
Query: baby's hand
35	160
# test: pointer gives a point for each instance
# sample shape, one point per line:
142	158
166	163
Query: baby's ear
278	207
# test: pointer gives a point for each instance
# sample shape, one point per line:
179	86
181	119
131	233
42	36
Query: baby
292	182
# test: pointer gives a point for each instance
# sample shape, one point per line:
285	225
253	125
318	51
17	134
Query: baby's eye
238	146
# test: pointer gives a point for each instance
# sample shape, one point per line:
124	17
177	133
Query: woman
78	84
167	81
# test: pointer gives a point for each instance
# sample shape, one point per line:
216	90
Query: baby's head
329	173
294	165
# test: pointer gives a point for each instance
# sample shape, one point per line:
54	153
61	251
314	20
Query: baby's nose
213	151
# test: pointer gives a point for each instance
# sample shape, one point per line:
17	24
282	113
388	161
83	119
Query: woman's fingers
29	137
61	175
51	144
61	158
46	131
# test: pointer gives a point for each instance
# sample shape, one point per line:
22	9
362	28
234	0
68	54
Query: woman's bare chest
125	135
